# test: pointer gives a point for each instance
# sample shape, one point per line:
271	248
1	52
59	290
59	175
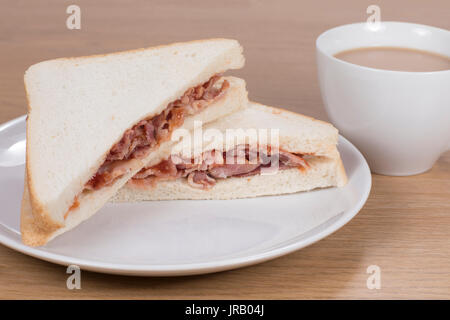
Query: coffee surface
397	59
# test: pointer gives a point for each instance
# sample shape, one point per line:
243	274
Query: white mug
399	120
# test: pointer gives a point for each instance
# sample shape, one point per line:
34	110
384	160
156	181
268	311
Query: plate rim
191	268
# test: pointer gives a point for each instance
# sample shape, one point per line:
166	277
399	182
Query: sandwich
94	122
289	153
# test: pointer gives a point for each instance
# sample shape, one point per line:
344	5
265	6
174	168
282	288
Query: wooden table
404	228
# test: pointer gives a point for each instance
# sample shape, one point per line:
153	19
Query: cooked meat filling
203	172
137	141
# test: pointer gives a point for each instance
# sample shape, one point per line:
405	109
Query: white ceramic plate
184	237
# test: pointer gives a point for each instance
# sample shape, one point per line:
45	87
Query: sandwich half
94	122
238	165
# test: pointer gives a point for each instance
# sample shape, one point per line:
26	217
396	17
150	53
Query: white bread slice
297	134
78	108
323	172
36	231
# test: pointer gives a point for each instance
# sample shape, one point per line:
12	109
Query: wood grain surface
404	228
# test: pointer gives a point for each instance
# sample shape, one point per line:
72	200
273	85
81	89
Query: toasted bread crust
341	174
140	49
37	220
35	226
